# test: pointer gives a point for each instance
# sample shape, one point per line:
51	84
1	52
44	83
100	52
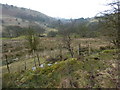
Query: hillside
9	11
97	69
72	73
17	20
23	18
12	15
39	51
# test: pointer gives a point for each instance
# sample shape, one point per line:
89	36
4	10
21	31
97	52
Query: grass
52	43
6	38
20	37
51	29
20	65
3	38
61	74
109	51
73	72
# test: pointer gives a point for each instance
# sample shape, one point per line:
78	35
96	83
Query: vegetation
69	73
71	53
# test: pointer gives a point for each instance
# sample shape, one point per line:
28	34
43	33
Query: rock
33	68
49	64
41	65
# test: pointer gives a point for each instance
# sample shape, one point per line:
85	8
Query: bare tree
66	32
6	57
110	21
38	59
60	51
7	63
67	44
33	44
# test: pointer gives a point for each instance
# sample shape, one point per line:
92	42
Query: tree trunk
35	62
38	59
89	51
79	50
25	62
34	58
71	52
25	65
7	64
61	53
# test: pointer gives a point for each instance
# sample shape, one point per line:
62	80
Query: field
98	58
70	50
50	47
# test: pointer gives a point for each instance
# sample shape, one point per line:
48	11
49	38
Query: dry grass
20	65
51	48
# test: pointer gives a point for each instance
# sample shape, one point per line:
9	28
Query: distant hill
14	18
15	15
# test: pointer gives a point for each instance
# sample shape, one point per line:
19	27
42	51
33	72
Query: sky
62	8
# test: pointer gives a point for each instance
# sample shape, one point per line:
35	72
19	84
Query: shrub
52	34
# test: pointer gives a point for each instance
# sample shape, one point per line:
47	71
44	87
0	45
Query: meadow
98	60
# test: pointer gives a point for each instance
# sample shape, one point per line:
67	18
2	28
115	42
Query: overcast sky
62	8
